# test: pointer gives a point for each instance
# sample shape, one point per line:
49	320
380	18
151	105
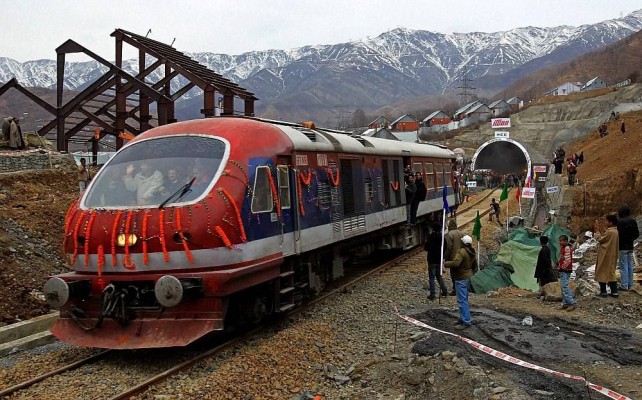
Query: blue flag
446	207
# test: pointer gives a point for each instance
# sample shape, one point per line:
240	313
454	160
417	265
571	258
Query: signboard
501	134
301	159
552	189
539	168
528	193
500	123
542	179
471	184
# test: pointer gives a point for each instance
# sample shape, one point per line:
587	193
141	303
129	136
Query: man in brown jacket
452	246
607	254
461	268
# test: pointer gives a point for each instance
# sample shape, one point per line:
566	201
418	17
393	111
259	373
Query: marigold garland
305	180
76	229
68	218
128	262
395	185
92	217
144	238
161	228
188	253
237	213
300	197
101	259
275	196
333	179
223	236
114	230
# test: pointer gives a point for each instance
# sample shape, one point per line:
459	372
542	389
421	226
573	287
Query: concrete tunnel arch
503	155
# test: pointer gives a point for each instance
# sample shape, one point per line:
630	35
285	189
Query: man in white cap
462	267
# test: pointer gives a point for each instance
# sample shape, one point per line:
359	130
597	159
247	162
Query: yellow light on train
130	239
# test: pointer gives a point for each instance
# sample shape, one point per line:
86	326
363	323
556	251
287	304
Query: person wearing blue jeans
462	266
627	230
433	247
565	269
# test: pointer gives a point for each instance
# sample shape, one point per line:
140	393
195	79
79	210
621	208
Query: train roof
326	140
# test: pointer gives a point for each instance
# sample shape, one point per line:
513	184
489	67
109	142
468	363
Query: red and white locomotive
203	223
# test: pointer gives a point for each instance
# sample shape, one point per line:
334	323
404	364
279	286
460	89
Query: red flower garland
223	236
161	228
144	238
333	179
237	214
395	185
101	264
68	218
114	230
92	216
128	262
190	258
305	180
76	229
275	196
300	197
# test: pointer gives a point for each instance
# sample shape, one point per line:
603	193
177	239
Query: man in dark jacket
628	231
433	247
420	195
544	267
411	189
462	266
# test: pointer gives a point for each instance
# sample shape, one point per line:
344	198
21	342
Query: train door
285	179
353	191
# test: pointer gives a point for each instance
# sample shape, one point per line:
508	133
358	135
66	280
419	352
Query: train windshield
170	170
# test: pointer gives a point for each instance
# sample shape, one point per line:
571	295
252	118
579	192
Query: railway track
353	276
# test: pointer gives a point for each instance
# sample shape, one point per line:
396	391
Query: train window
418	167
430	176
155	171
439	175
262	199
369	190
284	186
448	174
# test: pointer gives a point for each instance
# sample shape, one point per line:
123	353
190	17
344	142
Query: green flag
504	194
477	227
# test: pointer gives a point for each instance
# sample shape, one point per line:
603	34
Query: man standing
607	253
420	195
411	189
628	231
566	269
453	244
543	269
146	183
433	247
462	266
494	211
83	175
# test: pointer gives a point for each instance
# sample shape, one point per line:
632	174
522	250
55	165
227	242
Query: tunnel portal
502	155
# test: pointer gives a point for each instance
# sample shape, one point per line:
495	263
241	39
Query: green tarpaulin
515	262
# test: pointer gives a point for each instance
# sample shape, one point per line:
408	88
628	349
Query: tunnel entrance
502	155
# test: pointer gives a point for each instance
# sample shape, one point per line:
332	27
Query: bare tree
359	118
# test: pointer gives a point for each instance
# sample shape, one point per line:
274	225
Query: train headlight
56	292
126	239
168	291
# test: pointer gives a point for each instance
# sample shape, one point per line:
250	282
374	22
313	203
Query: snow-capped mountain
370	73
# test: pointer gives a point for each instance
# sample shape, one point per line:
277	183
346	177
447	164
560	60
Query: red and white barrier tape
502	356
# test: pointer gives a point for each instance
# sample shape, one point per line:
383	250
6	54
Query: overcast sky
32	29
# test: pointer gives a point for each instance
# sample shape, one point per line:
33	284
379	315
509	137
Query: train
196	226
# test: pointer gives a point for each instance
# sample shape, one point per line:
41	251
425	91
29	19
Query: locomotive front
146	240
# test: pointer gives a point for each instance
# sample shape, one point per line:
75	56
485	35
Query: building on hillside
564	89
593	84
436	118
499	107
405	123
460	113
515	103
480	110
380	122
409	136
381	133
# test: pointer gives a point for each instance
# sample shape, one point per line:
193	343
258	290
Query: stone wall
13	161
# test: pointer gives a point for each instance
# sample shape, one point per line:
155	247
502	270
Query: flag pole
443	239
